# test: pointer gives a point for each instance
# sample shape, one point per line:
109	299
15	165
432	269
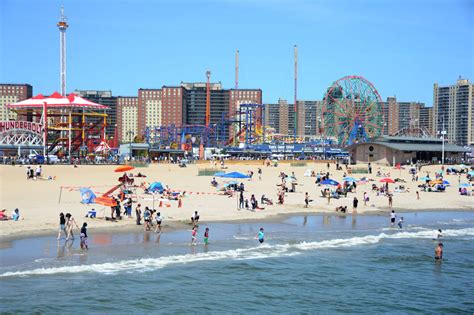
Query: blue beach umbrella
445	182
235	175
156	186
219	174
349	179
471	173
425	178
465	185
87	195
329	182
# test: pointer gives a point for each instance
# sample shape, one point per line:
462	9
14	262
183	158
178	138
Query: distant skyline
402	47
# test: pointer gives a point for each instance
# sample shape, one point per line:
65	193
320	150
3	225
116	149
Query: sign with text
21	125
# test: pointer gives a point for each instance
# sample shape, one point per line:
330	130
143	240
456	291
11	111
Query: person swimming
261	236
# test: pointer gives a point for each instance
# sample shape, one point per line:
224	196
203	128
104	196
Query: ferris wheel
352	111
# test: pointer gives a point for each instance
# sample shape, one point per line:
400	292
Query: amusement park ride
352	111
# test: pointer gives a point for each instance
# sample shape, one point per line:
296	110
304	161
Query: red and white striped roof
57	100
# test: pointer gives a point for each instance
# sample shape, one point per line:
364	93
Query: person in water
261	236
194	236
438	234
84	236
400	223
206	236
439	251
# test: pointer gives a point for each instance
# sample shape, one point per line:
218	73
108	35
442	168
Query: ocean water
311	264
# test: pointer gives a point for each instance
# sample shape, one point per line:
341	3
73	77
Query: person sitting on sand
214	182
16	215
3	216
266	201
342	209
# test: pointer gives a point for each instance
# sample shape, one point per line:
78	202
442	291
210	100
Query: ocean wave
257	252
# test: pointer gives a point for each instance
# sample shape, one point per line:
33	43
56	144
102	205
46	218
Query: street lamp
442	133
130	134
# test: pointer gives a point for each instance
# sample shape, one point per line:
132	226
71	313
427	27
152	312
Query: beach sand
41	201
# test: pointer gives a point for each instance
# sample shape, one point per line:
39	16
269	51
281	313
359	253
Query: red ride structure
71	125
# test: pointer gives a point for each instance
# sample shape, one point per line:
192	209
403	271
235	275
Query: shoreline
177	225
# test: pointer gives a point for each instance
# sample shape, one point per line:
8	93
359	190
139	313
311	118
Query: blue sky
402	47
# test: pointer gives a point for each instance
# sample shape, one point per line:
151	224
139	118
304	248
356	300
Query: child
206	237
261	236
194	236
400	223
84	236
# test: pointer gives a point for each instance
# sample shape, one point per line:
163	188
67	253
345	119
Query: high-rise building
196	95
12	93
426	119
312	117
406	116
149	109
453	111
284	118
103	98
127	118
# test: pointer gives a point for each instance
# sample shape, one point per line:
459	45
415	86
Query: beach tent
329	182
156	186
219	174
235	175
349	179
87	195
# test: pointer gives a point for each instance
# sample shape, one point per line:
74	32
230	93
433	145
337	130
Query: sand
40	202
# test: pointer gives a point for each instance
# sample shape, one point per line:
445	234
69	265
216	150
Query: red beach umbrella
387	180
124	168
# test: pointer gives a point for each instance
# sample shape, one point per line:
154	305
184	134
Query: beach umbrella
465	185
424	179
233	182
436	181
445	182
471	173
349	179
219	174
87	195
235	175
329	182
387	180
124	168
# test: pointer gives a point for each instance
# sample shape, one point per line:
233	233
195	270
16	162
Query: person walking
206	237
241	200
138	214
390	200
84	236
158	222
70	222
62	225
194	236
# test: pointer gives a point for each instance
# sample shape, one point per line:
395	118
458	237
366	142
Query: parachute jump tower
62	27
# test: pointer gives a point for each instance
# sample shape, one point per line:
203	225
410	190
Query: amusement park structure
352	111
246	124
80	133
62	27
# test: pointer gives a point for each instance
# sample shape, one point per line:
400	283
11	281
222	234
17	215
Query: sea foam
258	252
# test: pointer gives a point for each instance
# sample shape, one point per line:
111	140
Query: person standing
393	216
158	222
366	198
306	200
390	200
355	203
261	235
38	171
138	214
259	173
241	200
84	236
439	251
194	236
62	225
206	237
147	218
417	195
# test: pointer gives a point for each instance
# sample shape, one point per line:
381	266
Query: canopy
56	100
235	175
219	174
105	201
329	182
387	180
87	195
156	186
124	168
102	147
